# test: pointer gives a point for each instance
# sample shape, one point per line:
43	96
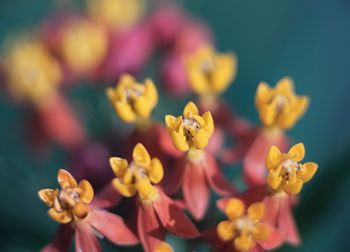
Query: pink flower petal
61	241
254	167
85	238
272	210
195	189
150	231
173	218
274	240
215	178
174	177
106	198
286	222
210	235
113	227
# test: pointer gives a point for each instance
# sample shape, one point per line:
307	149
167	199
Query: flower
70	206
155	211
210	72
244	229
285	172
118	14
35	82
190	131
280	106
83	45
132	100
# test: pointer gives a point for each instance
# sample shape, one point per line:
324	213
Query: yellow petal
125	112
87	193
273	158
179	141
226	230
209	123
234	209
66	180
273	180
164	247
110	92
125	190
118	166
297	152
199	120
293	188
48	196
224	72
301	105
190	110
263	95
261	231
169	122
285	86
140	155
155	171
198	81
61	217
268	113
256	211
286	120
151	92
146	189
243	243
127	177
143	107
199	139
307	171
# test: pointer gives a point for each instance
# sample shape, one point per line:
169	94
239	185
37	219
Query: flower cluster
163	173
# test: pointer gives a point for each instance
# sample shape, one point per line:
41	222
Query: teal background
307	40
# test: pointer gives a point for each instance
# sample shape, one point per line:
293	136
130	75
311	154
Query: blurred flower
70	207
83	45
280	106
117	14
156	211
286	173
197	170
210	73
32	73
190	131
133	101
164	247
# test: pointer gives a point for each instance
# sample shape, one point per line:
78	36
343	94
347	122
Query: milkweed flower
198	170
279	109
133	101
37	84
116	14
156	212
244	230
210	73
71	207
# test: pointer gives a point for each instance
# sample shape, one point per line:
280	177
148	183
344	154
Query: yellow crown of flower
132	100
71	201
32	73
84	45
117	13
285	173
280	106
210	72
243	228
190	130
137	176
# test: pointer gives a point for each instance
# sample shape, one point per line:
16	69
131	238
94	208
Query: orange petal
66	180
297	152
48	196
87	191
234	208
307	171
61	217
256	211
141	156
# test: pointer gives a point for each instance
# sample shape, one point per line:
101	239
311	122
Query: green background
307	40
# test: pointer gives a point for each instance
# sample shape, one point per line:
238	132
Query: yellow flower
132	100
285	172
280	106
138	176
190	131
243	227
164	247
119	14
32	73
210	72
70	203
84	45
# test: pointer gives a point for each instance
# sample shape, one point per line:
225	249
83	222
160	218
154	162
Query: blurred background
306	40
